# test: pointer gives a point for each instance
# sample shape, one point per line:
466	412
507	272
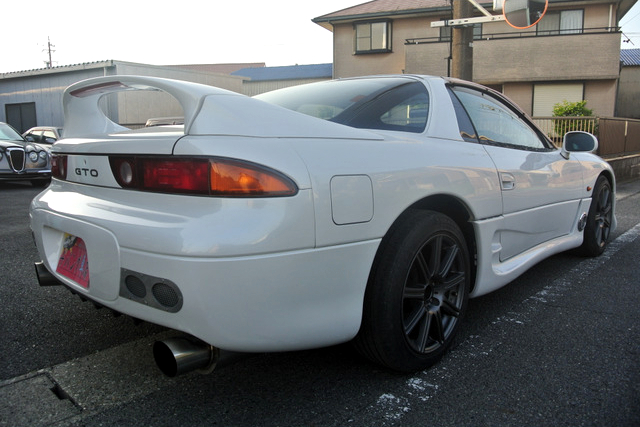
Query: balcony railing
517	35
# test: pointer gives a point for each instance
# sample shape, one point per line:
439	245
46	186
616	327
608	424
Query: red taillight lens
216	177
191	176
59	166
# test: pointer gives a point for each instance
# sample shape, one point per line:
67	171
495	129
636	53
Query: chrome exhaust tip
179	355
45	278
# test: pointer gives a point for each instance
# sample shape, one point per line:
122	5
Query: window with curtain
561	22
373	37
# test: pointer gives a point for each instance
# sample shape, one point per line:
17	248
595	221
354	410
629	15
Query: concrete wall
528	59
601	97
629	93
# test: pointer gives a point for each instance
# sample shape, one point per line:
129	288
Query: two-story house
572	54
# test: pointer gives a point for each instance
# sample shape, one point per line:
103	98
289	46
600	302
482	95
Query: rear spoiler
234	114
84	117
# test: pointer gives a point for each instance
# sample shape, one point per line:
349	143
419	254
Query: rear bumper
277	301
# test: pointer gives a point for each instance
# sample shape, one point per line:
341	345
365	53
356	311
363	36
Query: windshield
7	133
395	103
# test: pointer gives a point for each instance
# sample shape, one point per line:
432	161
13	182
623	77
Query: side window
49	137
497	123
410	113
403	108
467	131
32	137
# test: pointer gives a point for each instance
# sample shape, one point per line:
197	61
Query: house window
445	33
373	37
561	22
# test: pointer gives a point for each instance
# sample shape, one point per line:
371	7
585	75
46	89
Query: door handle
507	181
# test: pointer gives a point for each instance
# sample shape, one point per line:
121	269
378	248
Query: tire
417	293
599	219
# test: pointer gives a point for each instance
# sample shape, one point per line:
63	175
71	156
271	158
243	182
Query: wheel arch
610	176
454	208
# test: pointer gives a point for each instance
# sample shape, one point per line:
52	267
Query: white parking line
391	407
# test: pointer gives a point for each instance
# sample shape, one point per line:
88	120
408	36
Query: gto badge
87	172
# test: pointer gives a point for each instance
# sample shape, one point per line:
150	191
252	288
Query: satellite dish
523	14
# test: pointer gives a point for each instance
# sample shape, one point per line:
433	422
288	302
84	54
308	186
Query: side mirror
578	141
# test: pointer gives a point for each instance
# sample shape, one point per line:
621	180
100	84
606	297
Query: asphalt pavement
559	346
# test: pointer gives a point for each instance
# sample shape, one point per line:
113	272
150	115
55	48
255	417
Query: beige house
572	54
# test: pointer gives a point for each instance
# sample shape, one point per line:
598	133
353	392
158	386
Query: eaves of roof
386	8
61	69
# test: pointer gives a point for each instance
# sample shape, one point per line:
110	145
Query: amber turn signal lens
235	178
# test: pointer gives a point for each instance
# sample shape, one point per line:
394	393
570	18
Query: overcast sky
277	32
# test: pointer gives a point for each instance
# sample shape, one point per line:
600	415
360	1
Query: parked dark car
22	160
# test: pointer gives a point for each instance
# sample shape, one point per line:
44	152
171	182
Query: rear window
383	103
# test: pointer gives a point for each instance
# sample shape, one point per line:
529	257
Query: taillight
190	176
235	178
59	166
215	177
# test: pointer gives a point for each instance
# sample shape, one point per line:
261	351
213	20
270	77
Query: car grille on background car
16	158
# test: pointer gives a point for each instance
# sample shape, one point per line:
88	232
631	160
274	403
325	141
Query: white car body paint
286	273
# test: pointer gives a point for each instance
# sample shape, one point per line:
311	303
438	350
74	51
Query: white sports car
366	209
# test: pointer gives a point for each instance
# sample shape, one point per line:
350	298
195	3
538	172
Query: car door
541	190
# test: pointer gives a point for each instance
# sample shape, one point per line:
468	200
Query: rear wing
207	110
83	115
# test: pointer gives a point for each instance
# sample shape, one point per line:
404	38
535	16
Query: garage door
545	96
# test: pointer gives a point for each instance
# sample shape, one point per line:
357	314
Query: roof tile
630	57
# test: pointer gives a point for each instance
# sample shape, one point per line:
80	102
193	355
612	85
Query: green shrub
573	109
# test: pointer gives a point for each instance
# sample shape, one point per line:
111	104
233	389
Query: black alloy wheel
433	293
599	220
417	293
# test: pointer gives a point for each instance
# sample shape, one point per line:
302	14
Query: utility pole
520	14
49	51
462	39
